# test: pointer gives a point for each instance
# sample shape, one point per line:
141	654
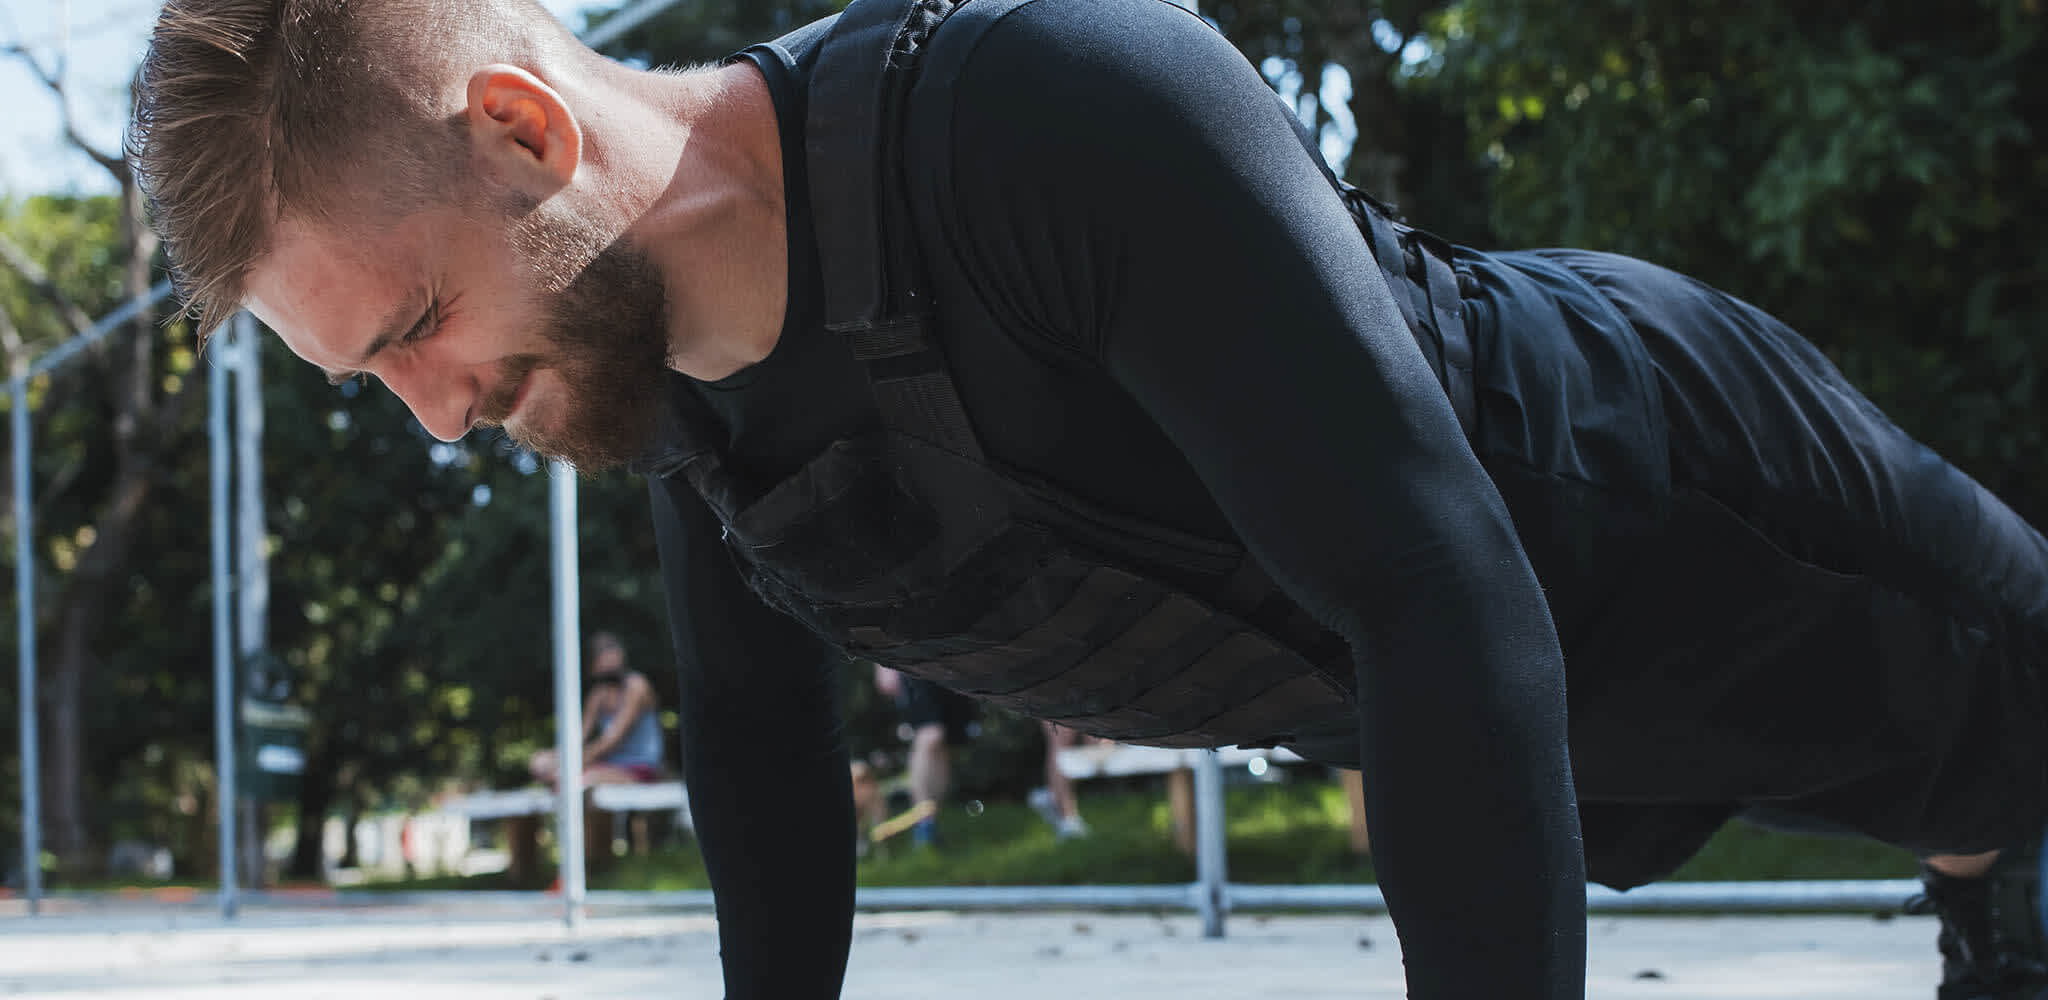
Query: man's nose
443	401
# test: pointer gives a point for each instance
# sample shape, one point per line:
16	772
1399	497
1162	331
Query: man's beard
605	324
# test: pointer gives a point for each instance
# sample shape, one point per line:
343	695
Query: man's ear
522	131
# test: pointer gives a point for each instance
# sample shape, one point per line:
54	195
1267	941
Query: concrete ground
389	953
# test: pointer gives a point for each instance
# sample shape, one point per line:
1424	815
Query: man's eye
428	325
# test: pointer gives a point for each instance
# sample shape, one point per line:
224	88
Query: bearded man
1024	345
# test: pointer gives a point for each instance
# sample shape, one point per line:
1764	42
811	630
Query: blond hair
333	110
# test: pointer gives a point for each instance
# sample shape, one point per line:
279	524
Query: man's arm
766	763
1131	190
589	717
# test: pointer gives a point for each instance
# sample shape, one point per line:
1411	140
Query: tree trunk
350	820
65	822
316	797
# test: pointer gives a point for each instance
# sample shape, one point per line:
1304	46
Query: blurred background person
621	730
939	720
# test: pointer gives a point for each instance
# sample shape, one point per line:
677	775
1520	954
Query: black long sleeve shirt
1151	298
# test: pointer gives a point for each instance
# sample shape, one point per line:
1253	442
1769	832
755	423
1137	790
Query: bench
1117	760
652	796
524	807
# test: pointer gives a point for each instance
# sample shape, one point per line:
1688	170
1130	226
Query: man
621	734
939	720
1212	464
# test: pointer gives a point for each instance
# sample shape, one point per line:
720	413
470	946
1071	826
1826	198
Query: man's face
524	318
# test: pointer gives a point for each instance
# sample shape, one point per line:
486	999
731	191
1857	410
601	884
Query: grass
1293	832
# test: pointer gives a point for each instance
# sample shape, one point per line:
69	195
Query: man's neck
717	231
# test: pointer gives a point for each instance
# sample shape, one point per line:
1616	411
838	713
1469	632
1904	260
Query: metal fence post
568	702
25	580
220	453
1211	849
252	567
252	562
25	614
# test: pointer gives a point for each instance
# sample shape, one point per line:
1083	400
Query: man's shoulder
800	47
917	34
1062	74
1021	60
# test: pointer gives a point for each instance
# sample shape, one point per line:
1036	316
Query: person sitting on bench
619	711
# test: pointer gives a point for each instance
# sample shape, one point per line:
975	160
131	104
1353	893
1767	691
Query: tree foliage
99	482
1871	172
703	31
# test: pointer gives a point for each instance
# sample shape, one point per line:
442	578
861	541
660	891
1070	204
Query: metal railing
25	575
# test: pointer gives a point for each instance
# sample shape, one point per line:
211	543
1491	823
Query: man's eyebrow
394	328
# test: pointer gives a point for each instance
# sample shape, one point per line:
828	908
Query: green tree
358	506
702	31
138	386
411	591
105	426
1869	171
1405	139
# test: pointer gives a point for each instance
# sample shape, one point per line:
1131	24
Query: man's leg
601	840
1059	807
931	763
931	770
1991	938
610	774
1963	865
1936	601
940	719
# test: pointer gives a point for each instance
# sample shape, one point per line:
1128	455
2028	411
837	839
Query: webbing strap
888	339
1447	312
871	271
927	405
846	133
1428	290
1386	245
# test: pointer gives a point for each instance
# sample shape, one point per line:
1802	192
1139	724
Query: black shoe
1992	943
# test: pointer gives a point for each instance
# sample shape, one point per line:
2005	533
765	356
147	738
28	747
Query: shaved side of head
344	112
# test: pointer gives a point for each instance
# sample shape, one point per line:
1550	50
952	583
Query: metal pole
223	626
623	21
25	615
100	328
252	578
25	582
252	557
1211	850
568	700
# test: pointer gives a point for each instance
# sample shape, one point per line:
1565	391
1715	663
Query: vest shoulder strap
853	134
872	275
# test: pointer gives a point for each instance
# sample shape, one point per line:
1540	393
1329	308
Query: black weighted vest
908	547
